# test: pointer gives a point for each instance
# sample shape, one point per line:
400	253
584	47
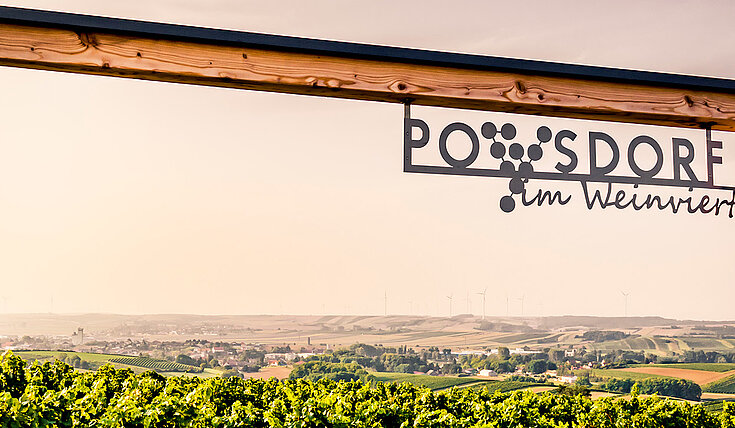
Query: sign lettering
642	155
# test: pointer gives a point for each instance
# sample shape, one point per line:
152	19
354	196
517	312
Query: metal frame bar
80	22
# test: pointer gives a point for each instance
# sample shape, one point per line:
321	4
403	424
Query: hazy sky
139	197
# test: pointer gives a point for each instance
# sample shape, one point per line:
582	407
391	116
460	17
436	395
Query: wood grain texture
300	73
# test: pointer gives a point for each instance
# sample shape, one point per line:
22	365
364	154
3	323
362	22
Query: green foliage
231	373
432	382
537	366
400	360
583	380
54	396
521	378
185	359
507	385
315	370
573	390
680	388
618	385
13	378
603	335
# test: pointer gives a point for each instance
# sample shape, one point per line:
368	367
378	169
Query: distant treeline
603	335
680	388
698	357
381	359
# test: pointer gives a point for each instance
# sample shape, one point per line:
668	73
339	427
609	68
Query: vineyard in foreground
54	395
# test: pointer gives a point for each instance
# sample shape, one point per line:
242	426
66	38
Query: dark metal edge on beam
89	23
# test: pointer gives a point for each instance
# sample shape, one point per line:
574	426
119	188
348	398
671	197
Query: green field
432	382
664	345
708	367
505	385
714	406
520	337
59	355
703	343
154	364
724	386
138	364
438	383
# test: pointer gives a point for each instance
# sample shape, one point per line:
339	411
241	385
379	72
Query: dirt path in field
700	377
717	396
269	372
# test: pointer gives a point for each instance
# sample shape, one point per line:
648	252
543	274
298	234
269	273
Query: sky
133	197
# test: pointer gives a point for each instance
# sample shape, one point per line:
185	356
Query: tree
502	366
556	355
185	359
451	368
503	353
231	373
583	380
315	370
573	390
537	366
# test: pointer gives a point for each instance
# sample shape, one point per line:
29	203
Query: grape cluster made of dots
520	175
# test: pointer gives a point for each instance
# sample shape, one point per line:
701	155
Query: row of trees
699	357
402	359
669	387
504	362
315	370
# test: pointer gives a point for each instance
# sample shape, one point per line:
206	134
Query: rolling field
664	344
725	385
704	343
629	344
700	377
154	364
708	367
509	385
618	374
432	382
520	337
137	364
268	372
438	383
59	355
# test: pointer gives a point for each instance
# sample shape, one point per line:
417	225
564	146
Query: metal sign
519	163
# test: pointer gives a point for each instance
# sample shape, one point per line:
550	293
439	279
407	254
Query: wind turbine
450	305
522	299
483	302
625	296
385	303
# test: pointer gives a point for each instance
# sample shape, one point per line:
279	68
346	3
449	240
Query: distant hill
610	323
464	331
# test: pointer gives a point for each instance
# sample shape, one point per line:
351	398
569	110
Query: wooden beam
182	60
